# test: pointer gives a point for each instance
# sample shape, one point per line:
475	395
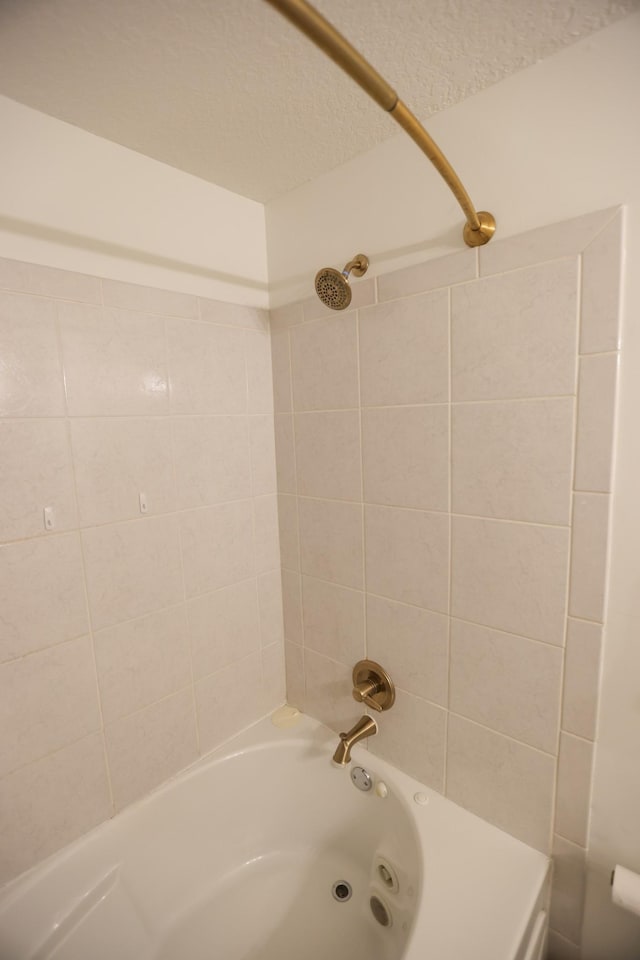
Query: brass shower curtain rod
480	225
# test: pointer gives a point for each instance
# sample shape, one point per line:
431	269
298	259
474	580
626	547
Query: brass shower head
332	286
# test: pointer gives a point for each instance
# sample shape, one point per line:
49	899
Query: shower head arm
358	266
480	226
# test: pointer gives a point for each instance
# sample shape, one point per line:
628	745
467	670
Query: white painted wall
72	200
554	141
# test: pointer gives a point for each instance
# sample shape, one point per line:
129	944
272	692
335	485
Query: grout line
529	264
121	623
363	526
154	703
95	664
573	843
85	587
561	936
297	516
569	568
187	625
450	558
254	531
58	750
198	415
128	417
141	518
505	736
136	311
439	513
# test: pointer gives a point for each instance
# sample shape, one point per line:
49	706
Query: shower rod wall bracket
480	227
487	228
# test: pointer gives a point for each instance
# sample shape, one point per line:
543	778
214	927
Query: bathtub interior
237	859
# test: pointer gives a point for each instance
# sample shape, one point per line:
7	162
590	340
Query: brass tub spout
365	727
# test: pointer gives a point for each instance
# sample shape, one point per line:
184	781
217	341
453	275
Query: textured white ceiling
227	89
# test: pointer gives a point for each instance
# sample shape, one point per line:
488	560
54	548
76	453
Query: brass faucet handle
365	693
373	685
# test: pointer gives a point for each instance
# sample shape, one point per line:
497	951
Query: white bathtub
236	860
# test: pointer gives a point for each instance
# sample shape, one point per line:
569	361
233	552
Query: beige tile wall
444	468
129	643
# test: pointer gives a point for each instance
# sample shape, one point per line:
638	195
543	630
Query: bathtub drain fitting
341	891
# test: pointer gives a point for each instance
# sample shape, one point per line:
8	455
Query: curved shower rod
480	225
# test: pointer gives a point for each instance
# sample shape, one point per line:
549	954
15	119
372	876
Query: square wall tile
47	804
289	315
404	351
229	700
281	368
568	890
132	568
292	607
333	620
324	357
135	296
412	736
288	532
294	672
223	627
515	335
233	314
574	788
116	460
601	289
35	472
266	533
507	783
544	243
31	369
142	661
270	606
217	546
212	460
405	455
114	362
328	455
148	747
44	281
331	541
49	700
285	453
559	948
412	644
581	676
259	373
407	556
596	410
511	576
263	455
441	272
274	683
328	695
207	370
507	683
513	460
57	610
589	556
